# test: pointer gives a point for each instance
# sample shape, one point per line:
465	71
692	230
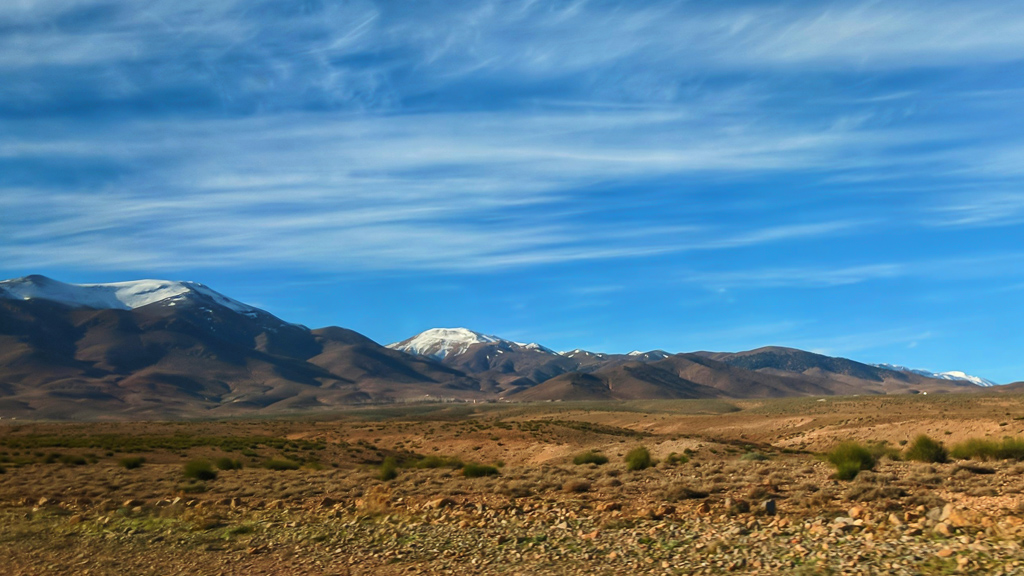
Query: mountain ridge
165	349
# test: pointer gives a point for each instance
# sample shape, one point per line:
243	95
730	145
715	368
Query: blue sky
842	177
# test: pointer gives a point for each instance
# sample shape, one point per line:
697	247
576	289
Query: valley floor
739	489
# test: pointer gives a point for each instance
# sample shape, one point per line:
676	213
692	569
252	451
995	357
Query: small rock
856	512
768	507
439	503
943	529
944	553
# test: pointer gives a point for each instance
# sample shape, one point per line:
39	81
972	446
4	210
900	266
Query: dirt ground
735	487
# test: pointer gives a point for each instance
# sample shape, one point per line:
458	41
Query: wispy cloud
471	136
849	344
983	209
796	277
454	191
981	267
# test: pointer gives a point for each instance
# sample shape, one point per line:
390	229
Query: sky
841	177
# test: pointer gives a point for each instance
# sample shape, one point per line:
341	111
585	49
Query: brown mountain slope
625	382
701	376
739	382
840	375
193	358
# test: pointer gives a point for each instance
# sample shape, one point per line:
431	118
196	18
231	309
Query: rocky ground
68	504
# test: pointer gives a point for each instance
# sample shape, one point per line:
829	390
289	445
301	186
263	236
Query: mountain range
165	349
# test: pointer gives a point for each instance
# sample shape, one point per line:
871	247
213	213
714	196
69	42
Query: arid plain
739	486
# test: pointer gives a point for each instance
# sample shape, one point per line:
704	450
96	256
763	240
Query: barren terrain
738	487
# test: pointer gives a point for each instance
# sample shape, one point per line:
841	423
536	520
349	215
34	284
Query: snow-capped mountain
649	356
167	348
951	375
581	353
116	295
440	343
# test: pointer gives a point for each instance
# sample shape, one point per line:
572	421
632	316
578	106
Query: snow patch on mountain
441	342
115	295
951	375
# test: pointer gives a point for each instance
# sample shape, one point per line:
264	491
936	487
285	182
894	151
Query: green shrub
226	463
882	449
674	459
847	470
280	464
590	457
131	462
754	457
924	449
850	458
388	469
472	470
981	449
200	470
193	488
438	462
73	460
638	458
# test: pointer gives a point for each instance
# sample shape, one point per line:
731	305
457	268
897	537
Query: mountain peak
112	296
951	375
441	342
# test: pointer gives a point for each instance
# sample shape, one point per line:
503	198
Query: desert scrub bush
638	458
869	492
518	490
576	485
980	449
970	470
388	469
131	462
590	457
226	463
280	464
849	458
473	470
199	470
882	449
438	462
73	460
754	457
193	488
677	492
924	449
674	459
